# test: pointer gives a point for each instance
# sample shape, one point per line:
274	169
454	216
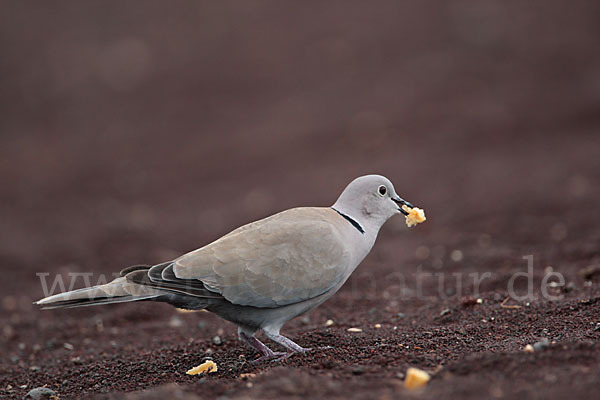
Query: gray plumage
265	273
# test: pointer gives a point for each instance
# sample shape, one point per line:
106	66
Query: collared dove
265	273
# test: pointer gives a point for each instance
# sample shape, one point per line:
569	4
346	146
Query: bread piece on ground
207	367
416	378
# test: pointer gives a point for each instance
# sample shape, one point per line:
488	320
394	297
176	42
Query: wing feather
289	257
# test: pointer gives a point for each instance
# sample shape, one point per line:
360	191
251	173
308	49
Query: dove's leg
265	352
285	342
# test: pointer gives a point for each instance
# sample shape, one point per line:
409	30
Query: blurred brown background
134	131
146	120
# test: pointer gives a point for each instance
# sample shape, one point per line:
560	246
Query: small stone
377	326
354	330
541	345
456	255
68	346
175	322
329	322
468	301
445	311
217	340
529	349
400	315
34	368
76	360
597	328
479	301
99	325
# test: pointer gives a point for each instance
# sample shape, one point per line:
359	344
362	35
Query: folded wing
289	257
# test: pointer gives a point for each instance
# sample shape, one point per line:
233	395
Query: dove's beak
401	202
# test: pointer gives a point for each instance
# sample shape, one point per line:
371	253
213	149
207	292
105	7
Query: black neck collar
351	220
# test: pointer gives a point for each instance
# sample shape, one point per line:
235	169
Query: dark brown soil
132	133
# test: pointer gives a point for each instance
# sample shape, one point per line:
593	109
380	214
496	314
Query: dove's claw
285	356
274	356
268	354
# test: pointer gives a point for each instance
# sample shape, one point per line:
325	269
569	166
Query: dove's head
371	200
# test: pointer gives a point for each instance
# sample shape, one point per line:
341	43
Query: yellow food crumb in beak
416	378
415	215
208	367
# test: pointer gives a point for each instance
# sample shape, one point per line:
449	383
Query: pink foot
274	356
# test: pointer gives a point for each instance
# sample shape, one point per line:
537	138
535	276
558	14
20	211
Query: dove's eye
382	190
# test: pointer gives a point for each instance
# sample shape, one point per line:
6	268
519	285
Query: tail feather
118	291
94	302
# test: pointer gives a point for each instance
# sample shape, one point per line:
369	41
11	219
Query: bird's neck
363	222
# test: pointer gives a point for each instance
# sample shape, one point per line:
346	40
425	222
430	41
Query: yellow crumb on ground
208	367
354	330
529	349
416	378
415	215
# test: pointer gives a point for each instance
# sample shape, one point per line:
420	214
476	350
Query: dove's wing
289	257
